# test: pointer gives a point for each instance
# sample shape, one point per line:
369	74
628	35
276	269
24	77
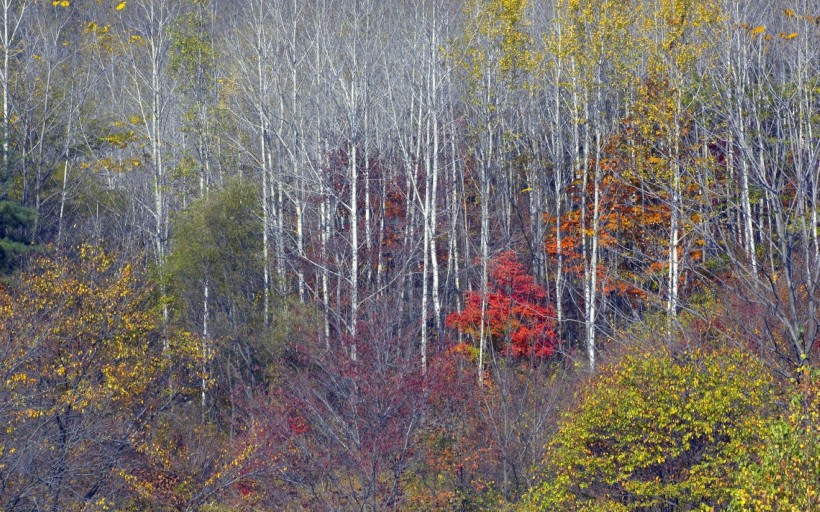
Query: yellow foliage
785	474
657	428
83	337
497	41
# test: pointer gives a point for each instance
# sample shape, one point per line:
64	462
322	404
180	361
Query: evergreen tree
15	234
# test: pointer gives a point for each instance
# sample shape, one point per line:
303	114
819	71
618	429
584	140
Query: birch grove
372	198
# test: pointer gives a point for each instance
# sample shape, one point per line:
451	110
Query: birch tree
14	15
495	54
766	105
598	47
146	31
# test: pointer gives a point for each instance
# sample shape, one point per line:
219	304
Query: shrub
657	431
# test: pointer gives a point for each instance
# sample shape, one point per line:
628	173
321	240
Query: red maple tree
518	319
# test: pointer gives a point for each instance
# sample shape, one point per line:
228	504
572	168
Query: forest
409	255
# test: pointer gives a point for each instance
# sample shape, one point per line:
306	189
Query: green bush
16	222
658	431
785	474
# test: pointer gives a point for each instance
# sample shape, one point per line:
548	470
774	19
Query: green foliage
217	243
658	431
192	53
15	223
217	238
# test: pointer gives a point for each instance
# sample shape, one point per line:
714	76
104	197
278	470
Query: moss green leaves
657	430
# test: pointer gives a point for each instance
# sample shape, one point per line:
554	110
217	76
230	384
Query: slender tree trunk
326	226
484	164
262	127
433	218
64	188
425	273
7	49
206	288
368	235
748	231
674	221
558	164
591	271
266	220
354	246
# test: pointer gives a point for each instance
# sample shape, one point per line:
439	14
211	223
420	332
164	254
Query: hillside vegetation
410	255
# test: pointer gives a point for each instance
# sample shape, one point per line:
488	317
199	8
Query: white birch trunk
354	249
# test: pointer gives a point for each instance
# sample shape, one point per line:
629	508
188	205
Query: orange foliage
634	213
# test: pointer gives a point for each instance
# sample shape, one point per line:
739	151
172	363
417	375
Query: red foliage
344	426
518	318
297	424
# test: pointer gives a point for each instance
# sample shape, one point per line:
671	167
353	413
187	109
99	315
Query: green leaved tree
658	431
15	239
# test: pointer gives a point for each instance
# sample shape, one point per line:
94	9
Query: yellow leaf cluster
83	336
497	42
657	428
